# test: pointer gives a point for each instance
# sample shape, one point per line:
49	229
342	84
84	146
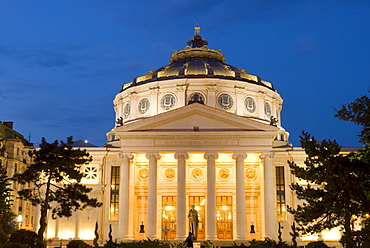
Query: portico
220	163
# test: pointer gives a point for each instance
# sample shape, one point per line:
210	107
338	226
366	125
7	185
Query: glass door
198	202
224	217
168	217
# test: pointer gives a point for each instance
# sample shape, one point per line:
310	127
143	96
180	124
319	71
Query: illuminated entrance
169	216
224	217
198	203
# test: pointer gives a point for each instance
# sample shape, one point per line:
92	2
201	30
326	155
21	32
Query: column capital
123	155
153	155
240	154
267	154
208	155
179	155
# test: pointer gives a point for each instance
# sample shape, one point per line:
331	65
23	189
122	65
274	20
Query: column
152	196
181	195
124	185
269	195
36	218
241	219
57	227
211	230
78	225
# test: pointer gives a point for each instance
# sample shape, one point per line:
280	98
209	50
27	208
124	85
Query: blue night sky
62	62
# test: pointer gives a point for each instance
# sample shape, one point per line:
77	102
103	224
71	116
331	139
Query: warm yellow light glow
19	218
224	208
89	181
169	208
197	208
87	235
332	235
112	186
309	237
367	215
203	202
66	235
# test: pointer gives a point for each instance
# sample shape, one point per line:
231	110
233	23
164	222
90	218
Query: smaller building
14	157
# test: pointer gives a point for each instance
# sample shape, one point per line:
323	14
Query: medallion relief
143	174
224	174
169	174
250	174
197	174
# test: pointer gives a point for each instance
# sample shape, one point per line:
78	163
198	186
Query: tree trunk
348	230
43	217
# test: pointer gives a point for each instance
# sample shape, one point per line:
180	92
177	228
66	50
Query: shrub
317	244
14	245
25	237
77	244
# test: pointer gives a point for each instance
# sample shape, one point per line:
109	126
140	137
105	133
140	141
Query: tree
6	215
55	178
337	188
357	112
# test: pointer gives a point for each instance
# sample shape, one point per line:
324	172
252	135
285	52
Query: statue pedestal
196	244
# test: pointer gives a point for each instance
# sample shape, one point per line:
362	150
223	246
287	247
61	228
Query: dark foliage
317	244
77	244
357	112
24	237
337	187
7	217
55	178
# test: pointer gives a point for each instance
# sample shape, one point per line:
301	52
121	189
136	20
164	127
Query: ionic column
211	230
78	225
241	218
124	186
36	218
57	227
181	195
269	195
152	195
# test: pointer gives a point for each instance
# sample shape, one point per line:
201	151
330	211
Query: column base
180	238
214	238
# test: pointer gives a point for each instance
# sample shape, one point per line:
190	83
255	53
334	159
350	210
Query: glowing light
66	235
197	208
87	235
19	218
169	208
224	208
86	141
203	202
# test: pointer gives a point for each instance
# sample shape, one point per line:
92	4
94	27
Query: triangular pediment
196	117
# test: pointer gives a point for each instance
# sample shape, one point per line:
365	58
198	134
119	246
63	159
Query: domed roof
197	61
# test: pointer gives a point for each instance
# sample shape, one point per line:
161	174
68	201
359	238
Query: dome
198	74
197	61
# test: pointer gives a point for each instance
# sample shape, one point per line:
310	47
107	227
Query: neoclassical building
195	133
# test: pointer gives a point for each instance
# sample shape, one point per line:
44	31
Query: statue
119	122
193	222
273	121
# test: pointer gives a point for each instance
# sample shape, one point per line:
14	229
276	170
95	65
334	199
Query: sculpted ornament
224	174
170	173
197	174
144	174
250	173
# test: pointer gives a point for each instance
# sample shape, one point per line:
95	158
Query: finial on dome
197	29
197	40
